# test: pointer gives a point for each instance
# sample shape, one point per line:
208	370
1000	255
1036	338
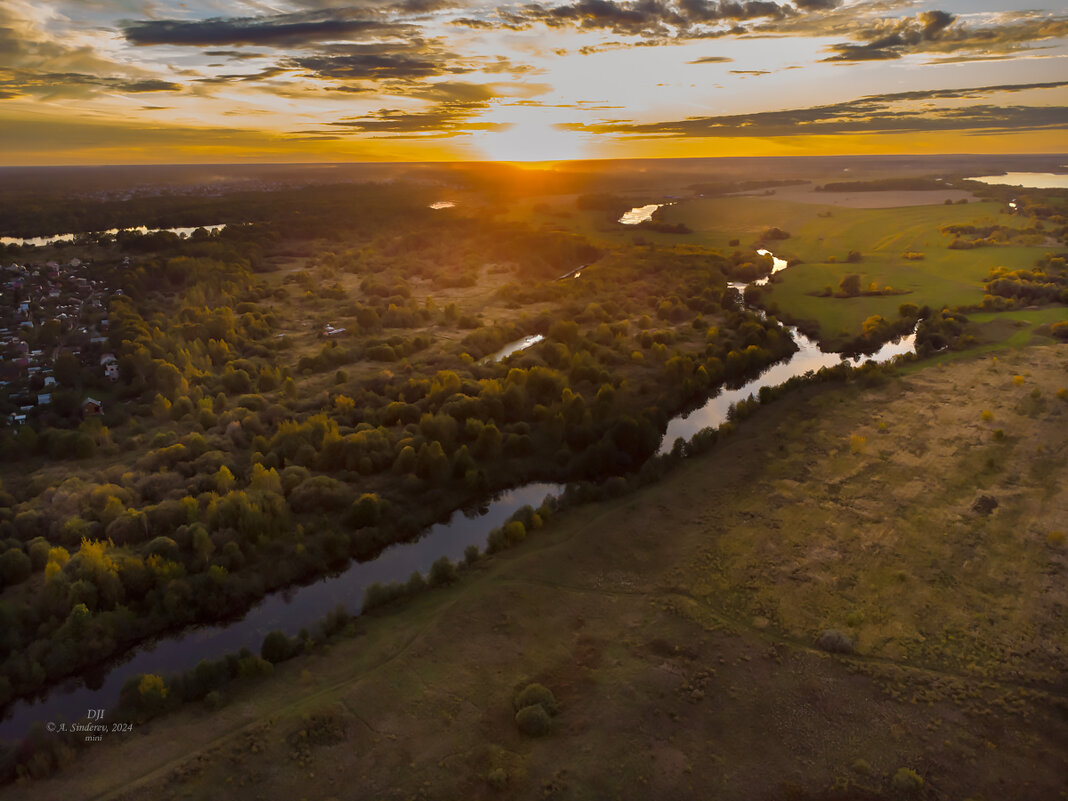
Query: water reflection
42	241
1031	180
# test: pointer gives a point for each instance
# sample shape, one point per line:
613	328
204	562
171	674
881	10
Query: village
54	349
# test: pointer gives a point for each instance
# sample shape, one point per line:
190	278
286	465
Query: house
330	331
44	399
111	370
91	406
107	358
50	381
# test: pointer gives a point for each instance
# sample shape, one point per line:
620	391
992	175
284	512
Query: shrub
985	504
906	780
533	721
1018	380
857	443
834	642
536	694
1055	539
987	415
277	647
442	572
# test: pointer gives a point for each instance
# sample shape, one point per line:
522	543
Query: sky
213	81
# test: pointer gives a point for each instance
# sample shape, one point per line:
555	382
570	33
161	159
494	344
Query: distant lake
1031	180
640	214
41	241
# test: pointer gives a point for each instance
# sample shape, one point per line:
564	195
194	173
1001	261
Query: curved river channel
299	607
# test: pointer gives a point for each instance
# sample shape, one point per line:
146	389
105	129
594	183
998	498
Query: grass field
678	626
882	236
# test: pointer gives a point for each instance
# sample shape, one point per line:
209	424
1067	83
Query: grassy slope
676	627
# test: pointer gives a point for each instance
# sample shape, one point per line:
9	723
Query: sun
530	137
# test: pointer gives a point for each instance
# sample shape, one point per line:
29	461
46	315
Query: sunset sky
139	81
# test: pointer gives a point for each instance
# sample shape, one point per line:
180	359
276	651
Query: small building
44	399
107	358
50	381
91	406
111	371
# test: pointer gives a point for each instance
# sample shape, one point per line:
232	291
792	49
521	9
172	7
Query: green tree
850	285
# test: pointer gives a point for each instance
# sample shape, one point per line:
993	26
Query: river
296	608
41	241
289	610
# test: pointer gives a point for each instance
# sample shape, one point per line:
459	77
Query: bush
442	572
536	694
277	647
834	642
906	780
533	721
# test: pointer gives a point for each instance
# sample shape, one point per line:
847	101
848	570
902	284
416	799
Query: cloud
711	60
238	55
873	114
407	61
940	32
279	30
444	120
14	83
657	19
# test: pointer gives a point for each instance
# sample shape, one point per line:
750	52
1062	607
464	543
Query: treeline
1046	282
719	188
886	185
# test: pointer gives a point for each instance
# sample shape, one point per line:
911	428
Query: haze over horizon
290	81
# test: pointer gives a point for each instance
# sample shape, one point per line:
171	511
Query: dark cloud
270	72
940	32
14	83
238	55
873	114
408	61
279	30
446	119
711	60
817	5
655	19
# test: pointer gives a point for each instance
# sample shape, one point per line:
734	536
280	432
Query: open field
882	237
871	200
678	626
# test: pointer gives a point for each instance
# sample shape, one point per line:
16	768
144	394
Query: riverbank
678	627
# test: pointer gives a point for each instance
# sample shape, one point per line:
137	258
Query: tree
850	285
15	566
277	647
67	369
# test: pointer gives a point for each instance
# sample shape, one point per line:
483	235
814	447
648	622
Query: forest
241	450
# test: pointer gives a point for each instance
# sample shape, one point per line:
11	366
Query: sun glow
531	137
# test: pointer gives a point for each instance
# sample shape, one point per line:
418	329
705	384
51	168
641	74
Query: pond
289	610
640	214
41	241
1030	180
512	347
